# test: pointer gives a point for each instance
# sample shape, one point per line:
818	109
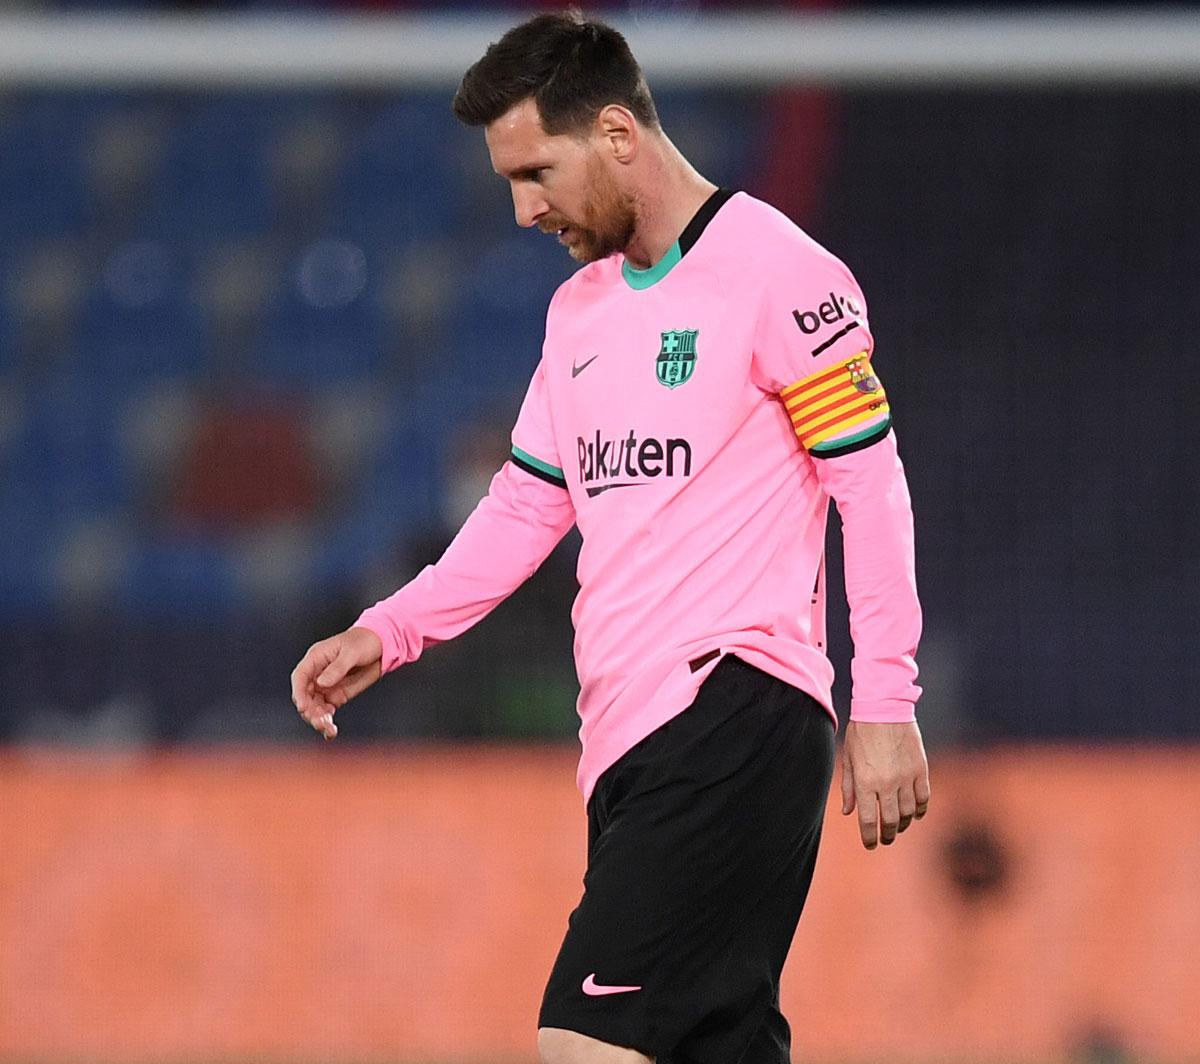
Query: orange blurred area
405	904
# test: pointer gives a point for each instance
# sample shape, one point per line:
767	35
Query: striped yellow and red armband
838	408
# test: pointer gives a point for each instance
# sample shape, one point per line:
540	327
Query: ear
618	132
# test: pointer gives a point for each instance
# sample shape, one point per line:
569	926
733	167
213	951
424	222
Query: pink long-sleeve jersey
694	420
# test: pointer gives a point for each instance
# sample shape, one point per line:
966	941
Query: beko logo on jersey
628	457
833	310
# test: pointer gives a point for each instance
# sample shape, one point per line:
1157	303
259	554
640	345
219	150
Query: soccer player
705	387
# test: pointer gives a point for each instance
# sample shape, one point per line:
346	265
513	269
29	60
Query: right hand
333	672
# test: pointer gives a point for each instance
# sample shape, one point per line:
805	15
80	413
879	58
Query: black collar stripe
702	217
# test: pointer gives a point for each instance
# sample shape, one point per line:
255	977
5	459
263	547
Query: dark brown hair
571	66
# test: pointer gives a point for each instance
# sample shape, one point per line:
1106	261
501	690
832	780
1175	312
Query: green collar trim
639	279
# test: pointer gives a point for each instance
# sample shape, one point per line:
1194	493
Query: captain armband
838	409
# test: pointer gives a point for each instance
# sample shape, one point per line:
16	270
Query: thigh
702	842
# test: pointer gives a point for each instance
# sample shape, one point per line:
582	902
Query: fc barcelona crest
677	359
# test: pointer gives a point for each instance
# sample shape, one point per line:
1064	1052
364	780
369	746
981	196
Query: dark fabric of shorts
701	845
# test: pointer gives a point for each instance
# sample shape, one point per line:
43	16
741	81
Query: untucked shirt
694	419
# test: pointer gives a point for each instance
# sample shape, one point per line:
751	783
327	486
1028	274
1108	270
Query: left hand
884	765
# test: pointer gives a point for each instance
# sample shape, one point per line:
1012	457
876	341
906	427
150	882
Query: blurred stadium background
262	337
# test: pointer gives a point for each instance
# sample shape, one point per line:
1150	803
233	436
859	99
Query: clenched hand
333	672
884	774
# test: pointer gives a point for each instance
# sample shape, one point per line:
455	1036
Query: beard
611	218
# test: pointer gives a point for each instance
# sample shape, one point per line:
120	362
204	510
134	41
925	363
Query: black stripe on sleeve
541	474
857	445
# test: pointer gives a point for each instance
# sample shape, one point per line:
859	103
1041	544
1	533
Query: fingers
922	792
908	806
319	714
303	676
882	816
847	786
335	670
868	821
323	724
889	817
316	706
321	719
878	817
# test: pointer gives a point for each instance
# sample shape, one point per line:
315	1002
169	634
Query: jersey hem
604	744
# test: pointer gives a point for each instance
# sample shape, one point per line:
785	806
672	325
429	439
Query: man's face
562	184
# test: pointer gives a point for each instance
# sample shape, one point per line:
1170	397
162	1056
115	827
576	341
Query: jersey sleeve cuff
883	711
551	474
374	620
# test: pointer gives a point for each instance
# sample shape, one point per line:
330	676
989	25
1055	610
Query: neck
668	198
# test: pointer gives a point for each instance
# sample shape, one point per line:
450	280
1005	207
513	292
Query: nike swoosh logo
594	989
576	370
593	492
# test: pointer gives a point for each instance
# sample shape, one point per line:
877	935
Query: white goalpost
854	49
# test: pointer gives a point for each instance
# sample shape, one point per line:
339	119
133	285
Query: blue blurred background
260	351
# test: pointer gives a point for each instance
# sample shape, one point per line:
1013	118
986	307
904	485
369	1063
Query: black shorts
701	846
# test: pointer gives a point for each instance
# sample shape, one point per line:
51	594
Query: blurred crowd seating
224	315
241	336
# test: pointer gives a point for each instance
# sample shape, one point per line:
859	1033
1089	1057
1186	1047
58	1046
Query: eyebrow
518	171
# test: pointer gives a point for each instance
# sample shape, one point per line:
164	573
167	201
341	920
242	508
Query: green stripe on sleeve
545	467
539	468
850	444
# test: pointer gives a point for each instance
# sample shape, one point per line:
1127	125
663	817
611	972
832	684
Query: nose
528	204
